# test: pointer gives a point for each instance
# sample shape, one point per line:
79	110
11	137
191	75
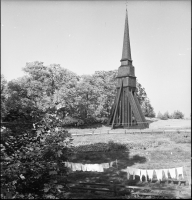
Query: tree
144	101
177	115
159	115
87	94
141	94
3	96
22	101
78	97
57	83
30	163
166	115
106	83
42	88
147	108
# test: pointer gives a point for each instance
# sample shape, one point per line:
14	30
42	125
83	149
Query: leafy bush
116	146
70	121
90	120
177	115
102	120
101	146
161	116
32	161
180	137
164	116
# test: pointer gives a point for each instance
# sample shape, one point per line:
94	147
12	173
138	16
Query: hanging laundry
92	167
150	174
143	173
89	167
84	167
111	163
105	165
166	173
100	168
68	164
130	171
172	173
78	166
95	167
136	172
179	171
73	166
159	174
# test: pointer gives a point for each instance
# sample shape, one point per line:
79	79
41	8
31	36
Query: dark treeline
85	99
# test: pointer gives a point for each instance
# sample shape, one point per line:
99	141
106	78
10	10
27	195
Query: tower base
126	111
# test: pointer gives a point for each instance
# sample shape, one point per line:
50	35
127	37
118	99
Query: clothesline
173	172
89	167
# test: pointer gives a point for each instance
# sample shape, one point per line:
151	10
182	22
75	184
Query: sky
87	36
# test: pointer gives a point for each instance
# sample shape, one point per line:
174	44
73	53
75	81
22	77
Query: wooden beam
123	107
111	114
127	99
141	113
118	98
135	109
130	112
120	110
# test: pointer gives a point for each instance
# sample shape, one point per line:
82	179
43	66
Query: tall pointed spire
126	111
126	54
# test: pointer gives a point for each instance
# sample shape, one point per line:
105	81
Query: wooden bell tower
126	111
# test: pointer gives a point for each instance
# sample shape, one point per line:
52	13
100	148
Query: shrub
159	115
113	146
166	115
177	115
70	121
162	116
102	120
30	162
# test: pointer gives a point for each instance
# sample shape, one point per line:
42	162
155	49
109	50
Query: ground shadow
117	173
150	121
84	126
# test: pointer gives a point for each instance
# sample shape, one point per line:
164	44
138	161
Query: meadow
152	150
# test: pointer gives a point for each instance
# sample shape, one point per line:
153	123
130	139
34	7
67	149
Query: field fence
116	131
152	131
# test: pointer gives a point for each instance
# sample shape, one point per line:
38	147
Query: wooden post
130	114
123	108
126	108
120	111
115	114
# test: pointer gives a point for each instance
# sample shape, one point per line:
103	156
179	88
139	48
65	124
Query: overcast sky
87	36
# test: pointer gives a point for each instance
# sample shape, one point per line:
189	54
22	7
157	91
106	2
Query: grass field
154	124
144	151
